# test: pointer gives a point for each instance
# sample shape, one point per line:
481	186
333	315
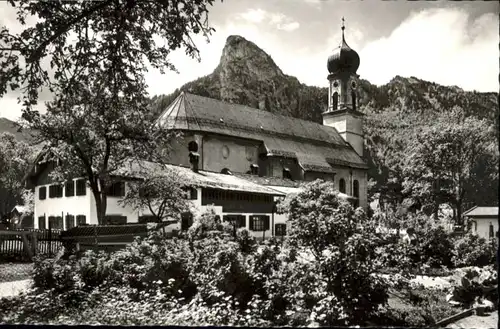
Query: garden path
476	321
14	288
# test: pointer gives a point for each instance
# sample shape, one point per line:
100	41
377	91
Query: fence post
50	239
95	236
26	245
34	240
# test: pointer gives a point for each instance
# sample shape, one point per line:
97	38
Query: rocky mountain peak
243	53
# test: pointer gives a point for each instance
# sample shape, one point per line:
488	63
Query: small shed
21	217
484	221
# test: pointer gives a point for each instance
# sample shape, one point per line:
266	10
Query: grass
15	271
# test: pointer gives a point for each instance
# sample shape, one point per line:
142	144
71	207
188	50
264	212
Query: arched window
355	188
355	193
335	100
193	146
353	97
492	234
286	173
342	185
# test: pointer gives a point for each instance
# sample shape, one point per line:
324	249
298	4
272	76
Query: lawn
15	271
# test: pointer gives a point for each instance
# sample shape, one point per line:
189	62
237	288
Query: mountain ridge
247	75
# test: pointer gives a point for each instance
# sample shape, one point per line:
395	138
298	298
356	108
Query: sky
447	42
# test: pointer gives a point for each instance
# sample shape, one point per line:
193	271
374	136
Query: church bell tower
342	112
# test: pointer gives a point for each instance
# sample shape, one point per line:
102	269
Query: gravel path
13	288
476	321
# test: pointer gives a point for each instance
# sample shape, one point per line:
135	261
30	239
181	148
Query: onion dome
343	58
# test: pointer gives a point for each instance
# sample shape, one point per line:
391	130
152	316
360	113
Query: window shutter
252	222
81	220
266	222
70	221
80	187
59	221
69	187
41	223
242	221
51	221
42	193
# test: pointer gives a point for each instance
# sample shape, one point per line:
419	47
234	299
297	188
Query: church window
355	187
342	185
287	174
254	169
193	146
335	100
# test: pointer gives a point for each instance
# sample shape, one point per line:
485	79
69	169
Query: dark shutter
69	188
147	219
59	221
242	221
70	221
81	220
51	221
267	222
252	222
116	189
80	187
193	193
42	193
52	191
115	220
41	222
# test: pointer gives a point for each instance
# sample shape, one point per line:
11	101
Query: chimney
194	159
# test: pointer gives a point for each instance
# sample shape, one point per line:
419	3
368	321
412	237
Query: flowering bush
320	275
472	250
343	245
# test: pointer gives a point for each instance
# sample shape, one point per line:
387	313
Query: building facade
233	146
484	221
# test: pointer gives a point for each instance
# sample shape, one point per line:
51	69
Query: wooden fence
26	243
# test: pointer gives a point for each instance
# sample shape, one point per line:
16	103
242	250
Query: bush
319	275
421	307
472	250
474	284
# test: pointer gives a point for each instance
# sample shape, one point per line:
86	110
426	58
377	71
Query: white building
484	221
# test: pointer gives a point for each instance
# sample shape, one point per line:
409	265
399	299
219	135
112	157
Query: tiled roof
268	181
482	211
315	146
136	169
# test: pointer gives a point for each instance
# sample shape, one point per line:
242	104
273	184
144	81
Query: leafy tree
15	159
99	52
162	192
445	155
343	244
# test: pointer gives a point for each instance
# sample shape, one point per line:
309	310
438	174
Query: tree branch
65	28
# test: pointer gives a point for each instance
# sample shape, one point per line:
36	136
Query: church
239	160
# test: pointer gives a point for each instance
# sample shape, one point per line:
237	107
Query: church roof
315	146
